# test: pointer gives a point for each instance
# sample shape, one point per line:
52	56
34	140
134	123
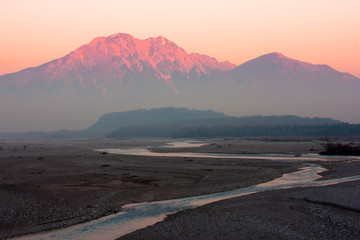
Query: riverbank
328	212
331	212
51	183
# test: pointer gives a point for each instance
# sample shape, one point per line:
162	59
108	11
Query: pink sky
319	32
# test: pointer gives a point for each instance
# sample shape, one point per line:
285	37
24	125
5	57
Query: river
140	215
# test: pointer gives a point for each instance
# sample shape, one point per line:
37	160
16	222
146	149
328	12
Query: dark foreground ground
47	184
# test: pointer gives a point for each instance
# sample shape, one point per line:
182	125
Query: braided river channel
140	215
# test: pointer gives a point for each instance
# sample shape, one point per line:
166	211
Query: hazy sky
317	31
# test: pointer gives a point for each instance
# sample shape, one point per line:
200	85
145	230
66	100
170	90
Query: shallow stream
140	215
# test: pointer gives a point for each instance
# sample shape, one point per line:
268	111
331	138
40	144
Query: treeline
288	130
273	131
341	149
152	121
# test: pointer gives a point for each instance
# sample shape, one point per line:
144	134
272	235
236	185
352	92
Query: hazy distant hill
274	70
174	122
112	121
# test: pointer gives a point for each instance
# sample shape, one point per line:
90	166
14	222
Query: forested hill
141	117
180	122
183	122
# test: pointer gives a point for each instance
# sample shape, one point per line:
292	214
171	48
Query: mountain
121	73
274	84
119	60
277	69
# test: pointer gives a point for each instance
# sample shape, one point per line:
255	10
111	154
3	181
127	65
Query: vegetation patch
341	149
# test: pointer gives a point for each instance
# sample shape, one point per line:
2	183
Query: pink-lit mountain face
118	61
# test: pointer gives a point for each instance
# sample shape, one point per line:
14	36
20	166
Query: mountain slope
118	60
275	68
